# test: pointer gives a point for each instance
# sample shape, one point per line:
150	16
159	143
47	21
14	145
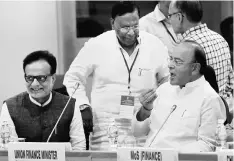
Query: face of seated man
39	88
182	66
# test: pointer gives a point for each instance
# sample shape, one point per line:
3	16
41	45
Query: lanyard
169	32
129	70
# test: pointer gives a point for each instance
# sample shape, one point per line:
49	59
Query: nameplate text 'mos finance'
146	154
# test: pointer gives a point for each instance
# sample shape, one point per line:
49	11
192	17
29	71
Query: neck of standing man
130	48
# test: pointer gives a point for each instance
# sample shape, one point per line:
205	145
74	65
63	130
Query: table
112	156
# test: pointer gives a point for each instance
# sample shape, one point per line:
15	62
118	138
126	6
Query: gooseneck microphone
76	87
172	110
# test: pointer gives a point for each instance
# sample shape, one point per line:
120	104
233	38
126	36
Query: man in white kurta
107	57
156	23
190	103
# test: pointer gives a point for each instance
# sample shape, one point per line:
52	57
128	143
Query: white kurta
191	127
101	56
152	23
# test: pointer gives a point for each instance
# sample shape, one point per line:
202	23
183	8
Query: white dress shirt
191	127
76	133
153	24
101	56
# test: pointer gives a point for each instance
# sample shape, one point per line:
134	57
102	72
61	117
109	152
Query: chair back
211	78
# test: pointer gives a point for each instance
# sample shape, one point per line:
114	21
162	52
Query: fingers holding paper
147	98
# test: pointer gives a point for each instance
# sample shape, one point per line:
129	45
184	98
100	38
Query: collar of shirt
159	15
192	84
136	48
129	58
194	30
38	104
138	41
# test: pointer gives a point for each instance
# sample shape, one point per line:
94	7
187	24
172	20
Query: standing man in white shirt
33	114
188	104
156	23
123	62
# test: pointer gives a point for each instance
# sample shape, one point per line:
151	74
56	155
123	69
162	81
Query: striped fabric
217	55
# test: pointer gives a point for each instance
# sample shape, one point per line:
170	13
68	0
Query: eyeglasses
127	29
169	15
39	78
177	62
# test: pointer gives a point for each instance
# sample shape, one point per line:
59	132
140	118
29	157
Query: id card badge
126	107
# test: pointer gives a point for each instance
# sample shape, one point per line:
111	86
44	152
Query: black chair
229	115
211	78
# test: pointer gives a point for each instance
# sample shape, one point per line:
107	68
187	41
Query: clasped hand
147	98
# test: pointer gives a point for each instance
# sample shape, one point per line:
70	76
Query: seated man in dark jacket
33	114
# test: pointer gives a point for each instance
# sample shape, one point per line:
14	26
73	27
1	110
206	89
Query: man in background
156	23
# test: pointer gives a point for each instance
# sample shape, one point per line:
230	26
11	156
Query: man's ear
53	78
112	23
196	67
181	17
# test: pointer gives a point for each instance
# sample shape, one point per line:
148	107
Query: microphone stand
172	109
76	87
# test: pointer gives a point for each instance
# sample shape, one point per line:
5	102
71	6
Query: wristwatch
84	106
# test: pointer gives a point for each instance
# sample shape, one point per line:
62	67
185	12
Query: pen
183	113
139	73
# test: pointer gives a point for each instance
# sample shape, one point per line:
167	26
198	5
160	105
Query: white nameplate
226	155
30	151
146	154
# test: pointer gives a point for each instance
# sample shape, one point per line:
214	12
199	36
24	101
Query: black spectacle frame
39	78
169	15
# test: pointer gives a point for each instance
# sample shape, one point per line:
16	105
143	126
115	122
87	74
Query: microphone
76	87
172	110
